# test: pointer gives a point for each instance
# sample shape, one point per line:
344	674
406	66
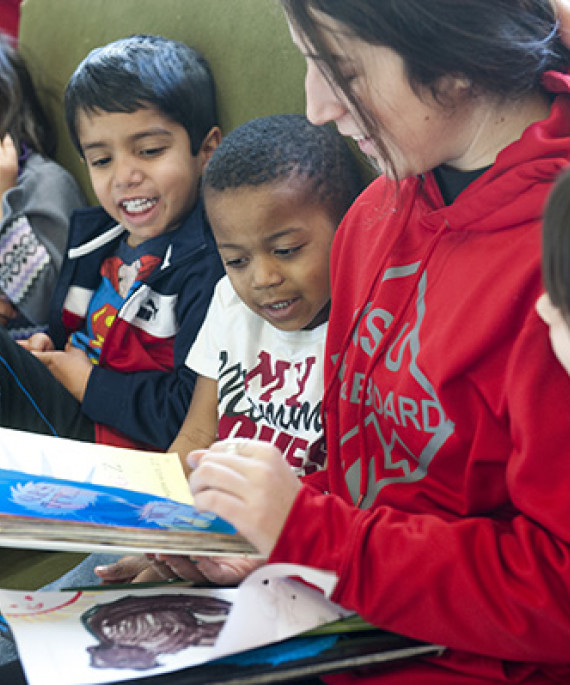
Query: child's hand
129	569
8	164
38	342
70	367
149	568
249	484
218	570
222	570
158	567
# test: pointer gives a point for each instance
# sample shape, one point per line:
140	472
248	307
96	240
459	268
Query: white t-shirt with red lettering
270	382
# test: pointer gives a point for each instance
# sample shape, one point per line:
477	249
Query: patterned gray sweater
33	236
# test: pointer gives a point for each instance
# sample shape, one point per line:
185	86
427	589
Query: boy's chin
321	318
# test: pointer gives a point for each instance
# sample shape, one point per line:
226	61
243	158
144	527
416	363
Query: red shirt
10	17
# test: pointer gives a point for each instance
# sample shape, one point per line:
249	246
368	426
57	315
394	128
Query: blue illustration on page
22	494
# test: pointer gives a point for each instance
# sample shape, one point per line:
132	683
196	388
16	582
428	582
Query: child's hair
281	147
141	71
500	47
21	114
556	245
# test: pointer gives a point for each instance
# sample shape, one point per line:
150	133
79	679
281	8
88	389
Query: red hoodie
447	423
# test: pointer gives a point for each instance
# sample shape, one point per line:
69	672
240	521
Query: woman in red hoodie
445	508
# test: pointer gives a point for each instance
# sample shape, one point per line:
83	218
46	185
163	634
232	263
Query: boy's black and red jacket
139	393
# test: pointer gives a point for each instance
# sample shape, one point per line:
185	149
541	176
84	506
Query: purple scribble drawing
133	631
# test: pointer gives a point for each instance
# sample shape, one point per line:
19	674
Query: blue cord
27	394
4	627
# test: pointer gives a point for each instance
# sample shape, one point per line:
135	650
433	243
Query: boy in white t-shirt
275	191
274	195
266	383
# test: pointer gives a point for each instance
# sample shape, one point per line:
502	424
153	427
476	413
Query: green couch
257	69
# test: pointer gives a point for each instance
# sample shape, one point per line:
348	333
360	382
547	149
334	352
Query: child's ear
211	141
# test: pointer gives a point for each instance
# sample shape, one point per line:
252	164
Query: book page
87	637
156	473
62	636
42	512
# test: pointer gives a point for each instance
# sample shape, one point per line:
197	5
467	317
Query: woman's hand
249	484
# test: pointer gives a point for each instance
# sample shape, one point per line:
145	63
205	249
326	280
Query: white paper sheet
272	607
57	649
153	472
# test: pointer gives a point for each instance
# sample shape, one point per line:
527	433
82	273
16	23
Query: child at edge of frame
553	306
38	197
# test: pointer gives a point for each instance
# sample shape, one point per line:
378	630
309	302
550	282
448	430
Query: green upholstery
257	69
22	569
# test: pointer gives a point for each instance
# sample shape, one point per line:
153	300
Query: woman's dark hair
141	71
21	114
282	147
500	47
556	245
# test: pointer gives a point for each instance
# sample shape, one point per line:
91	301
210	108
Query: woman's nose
545	309
323	103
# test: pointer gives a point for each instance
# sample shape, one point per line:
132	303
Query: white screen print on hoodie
426	415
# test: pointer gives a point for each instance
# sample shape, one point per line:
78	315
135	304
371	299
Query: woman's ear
453	89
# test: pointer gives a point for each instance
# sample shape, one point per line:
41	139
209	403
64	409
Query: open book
61	494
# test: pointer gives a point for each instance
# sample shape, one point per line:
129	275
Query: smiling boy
140	269
157	200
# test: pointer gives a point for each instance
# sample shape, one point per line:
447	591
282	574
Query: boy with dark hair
282	147
275	190
144	70
140	269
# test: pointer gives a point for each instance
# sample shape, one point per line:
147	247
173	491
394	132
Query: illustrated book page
80	637
90	513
